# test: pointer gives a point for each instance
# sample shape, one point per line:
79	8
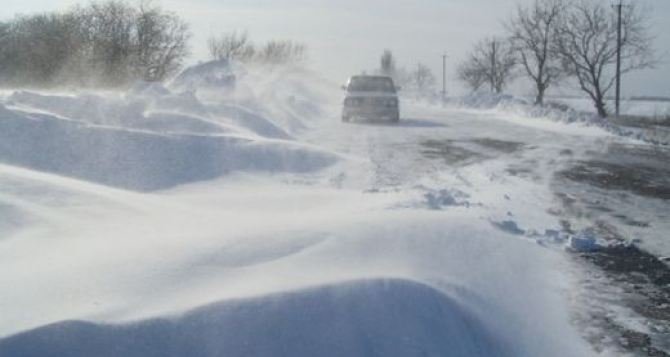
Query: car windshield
371	84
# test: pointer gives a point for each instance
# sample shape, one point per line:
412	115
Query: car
371	98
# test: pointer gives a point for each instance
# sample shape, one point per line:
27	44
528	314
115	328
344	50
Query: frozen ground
255	223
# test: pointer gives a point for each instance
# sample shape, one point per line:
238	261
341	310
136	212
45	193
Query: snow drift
329	262
152	138
142	160
360	318
559	111
215	75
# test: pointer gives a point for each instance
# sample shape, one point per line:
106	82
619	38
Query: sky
347	37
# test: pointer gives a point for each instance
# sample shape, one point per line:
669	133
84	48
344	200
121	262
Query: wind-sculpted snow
142	160
217	75
368	240
570	113
359	318
151	138
161	113
512	105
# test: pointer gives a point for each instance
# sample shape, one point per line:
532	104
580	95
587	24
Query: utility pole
444	78
494	74
618	7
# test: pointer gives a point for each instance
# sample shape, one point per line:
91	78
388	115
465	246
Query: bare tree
387	64
533	32
281	52
472	75
587	46
491	62
161	43
231	46
109	27
5	52
36	48
422	79
103	44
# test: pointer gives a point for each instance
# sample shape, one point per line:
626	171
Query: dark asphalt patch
507	147
450	152
631	221
645	281
630	264
641	180
455	152
602	190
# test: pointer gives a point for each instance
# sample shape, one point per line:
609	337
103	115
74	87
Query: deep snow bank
154	138
257	245
142	160
286	95
360	318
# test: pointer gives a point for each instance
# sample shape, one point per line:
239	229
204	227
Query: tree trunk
539	99
600	107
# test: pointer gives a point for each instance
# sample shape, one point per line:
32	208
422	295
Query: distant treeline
585	42
236	46
108	44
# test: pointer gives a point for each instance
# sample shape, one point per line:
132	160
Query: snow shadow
361	318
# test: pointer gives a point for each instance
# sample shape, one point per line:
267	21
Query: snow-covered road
442	235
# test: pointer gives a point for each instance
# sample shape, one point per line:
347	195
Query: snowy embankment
194	270
246	239
572	112
352	319
149	139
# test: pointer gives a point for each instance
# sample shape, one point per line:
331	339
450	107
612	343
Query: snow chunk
584	241
440	199
509	226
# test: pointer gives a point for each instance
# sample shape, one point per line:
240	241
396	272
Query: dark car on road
371	98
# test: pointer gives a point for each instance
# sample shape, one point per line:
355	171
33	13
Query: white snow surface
254	223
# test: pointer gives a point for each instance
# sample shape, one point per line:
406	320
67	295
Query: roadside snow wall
151	138
363	318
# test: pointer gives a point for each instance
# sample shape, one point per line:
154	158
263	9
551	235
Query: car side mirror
398	88
343	87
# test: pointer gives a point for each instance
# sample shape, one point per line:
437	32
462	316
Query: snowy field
255	223
646	108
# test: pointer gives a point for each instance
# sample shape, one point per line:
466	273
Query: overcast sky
347	36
